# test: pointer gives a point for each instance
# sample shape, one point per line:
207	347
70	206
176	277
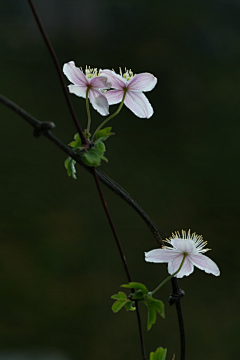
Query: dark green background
59	264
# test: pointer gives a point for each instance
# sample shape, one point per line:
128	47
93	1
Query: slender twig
175	298
59	71
124	261
120	249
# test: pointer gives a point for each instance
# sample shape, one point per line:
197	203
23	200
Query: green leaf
93	157
118	305
66	162
103	134
69	164
157	304
129	306
152	316
136	285
104	158
159	354
120	296
138	295
77	143
77	137
100	146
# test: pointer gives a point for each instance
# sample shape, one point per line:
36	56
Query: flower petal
117	81
186	269
138	104
203	262
114	96
74	74
78	90
100	82
161	255
99	101
142	82
184	245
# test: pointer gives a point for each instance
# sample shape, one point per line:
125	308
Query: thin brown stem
59	71
123	258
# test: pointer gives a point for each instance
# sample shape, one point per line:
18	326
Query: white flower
189	245
90	81
133	86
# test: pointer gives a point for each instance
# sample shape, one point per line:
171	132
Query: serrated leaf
136	285
159	354
157	304
152	316
120	296
118	305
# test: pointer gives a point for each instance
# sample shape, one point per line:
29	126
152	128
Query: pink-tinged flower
133	86
90	80
189	245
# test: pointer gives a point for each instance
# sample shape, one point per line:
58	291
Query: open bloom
192	246
90	80
133	86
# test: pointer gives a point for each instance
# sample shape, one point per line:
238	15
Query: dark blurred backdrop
59	264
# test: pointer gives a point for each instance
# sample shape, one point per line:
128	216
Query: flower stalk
168	278
88	110
111	116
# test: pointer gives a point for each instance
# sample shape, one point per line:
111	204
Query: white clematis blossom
132	86
192	246
90	80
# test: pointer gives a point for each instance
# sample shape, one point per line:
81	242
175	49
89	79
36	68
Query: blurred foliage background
59	264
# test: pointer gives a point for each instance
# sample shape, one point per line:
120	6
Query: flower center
127	75
90	73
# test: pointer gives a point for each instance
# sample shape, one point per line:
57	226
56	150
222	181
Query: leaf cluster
91	155
139	293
